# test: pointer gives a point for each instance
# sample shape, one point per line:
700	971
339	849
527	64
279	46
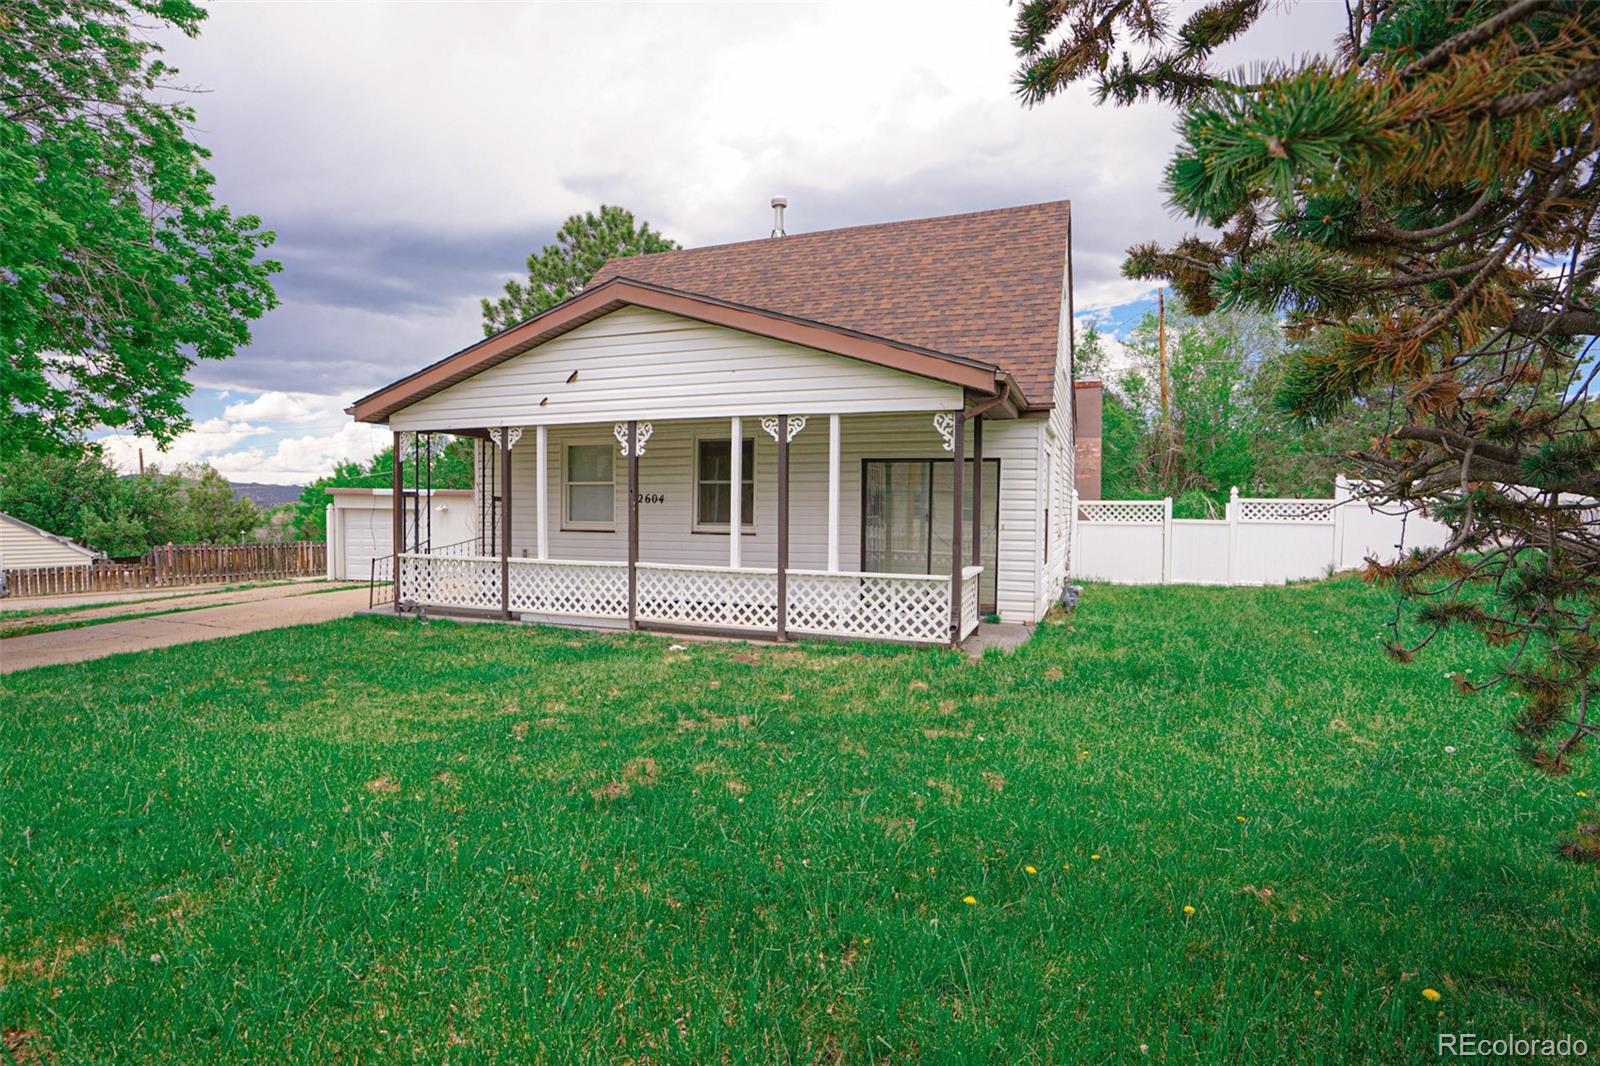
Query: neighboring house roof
974	300
986	286
89	553
390	492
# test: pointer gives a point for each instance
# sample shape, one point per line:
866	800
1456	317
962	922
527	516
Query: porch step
1006	636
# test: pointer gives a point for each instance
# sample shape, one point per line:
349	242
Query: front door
905	518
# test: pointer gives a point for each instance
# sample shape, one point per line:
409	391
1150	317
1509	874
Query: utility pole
1166	413
141	462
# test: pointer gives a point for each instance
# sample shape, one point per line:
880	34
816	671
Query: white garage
360	528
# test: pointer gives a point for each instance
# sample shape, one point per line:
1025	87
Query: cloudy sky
410	156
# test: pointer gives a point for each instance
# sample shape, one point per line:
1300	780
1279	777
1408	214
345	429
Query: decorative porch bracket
506	438
945	423
796	424
621	432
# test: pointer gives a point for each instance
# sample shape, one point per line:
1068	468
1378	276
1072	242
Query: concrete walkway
211	597
129	596
292	606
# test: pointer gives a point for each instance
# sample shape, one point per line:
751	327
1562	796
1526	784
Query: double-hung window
713	485
590	495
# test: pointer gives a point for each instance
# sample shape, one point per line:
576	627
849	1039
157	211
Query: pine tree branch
1474	36
1576	82
1492	462
1569	323
1393	233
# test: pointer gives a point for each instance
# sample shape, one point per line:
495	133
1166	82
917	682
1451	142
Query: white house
877	380
24	546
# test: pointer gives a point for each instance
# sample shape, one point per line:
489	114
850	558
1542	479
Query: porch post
833	493
736	505
541	490
959	448
977	491
505	524
397	530
783	527
633	524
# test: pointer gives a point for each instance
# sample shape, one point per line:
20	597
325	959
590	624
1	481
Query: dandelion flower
1031	870
1188	909
971	901
1431	995
1083	755
1317	993
1241	818
1095	856
1582	794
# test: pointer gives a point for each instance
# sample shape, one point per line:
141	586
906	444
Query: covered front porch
858	526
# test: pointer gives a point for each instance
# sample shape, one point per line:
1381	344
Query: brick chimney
1086	437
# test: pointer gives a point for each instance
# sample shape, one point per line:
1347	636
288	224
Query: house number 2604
652	497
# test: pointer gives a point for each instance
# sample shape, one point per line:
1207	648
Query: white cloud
295	437
297	460
287	407
208	437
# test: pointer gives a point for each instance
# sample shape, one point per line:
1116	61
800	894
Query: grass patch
373	839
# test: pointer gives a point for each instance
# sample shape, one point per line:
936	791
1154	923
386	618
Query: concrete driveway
287	605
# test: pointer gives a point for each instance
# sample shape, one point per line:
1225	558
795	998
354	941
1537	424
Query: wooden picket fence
177	564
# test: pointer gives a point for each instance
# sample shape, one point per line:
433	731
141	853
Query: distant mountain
266	495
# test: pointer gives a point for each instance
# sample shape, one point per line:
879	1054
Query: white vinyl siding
1056	496
641	364
666	470
23	547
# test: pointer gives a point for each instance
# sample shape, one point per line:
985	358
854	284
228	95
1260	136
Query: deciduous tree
118	268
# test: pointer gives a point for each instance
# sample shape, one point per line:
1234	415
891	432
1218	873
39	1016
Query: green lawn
372	839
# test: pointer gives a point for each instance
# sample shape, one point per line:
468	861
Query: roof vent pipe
778	204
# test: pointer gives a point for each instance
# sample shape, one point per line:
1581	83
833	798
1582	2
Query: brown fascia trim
463	493
620	292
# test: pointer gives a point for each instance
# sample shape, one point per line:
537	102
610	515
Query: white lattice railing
715	596
534	586
905	607
568	587
911	607
471	581
969	599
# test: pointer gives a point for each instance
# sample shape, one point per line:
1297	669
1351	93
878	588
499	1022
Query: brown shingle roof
985	286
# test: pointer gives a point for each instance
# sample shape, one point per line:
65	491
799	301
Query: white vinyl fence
1260	541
